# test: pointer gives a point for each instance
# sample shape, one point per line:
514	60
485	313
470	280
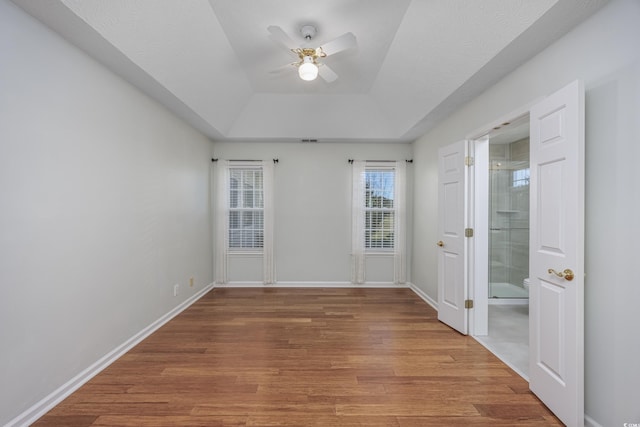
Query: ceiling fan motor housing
308	32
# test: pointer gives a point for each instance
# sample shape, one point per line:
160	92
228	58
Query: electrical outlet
175	289
191	282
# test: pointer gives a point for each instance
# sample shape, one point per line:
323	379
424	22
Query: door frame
479	251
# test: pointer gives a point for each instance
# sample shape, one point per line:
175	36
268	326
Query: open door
556	316
452	247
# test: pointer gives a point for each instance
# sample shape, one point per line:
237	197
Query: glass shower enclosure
509	218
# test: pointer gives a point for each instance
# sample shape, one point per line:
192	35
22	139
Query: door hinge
468	303
468	232
468	161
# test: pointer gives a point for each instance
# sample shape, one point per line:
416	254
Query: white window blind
246	208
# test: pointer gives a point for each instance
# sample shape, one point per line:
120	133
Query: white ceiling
212	62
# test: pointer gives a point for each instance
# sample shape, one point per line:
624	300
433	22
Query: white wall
104	206
604	53
313	209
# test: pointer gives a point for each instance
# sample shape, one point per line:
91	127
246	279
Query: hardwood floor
304	357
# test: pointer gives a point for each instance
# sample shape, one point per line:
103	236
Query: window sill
245	254
379	253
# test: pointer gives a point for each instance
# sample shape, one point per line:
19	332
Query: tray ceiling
212	62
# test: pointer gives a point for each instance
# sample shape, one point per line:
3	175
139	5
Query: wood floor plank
304	357
476	421
322	421
170	421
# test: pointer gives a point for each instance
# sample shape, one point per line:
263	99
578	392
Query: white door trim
479	271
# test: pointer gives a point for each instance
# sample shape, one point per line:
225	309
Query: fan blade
344	42
279	36
283	69
327	74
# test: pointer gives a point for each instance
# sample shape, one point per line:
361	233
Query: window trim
380	166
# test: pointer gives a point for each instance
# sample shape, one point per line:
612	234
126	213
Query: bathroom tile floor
509	336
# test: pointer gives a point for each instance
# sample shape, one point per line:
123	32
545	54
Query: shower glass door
509	215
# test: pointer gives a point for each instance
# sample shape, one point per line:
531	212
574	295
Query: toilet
526	283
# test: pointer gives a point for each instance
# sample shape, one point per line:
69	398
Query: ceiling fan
308	64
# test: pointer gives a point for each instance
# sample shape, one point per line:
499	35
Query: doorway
507	184
556	247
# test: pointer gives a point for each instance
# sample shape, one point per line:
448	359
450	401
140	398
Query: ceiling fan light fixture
308	70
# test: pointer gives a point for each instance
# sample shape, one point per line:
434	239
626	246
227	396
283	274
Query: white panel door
556	365
452	266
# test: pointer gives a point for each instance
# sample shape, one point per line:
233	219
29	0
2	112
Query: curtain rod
382	161
276	160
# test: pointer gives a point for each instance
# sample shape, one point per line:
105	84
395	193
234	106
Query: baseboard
310	285
239	285
433	303
45	405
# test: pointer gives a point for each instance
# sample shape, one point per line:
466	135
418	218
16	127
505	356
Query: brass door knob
567	274
440	243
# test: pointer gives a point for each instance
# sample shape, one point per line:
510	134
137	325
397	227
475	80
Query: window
246	208
379	208
244	216
520	177
378	216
